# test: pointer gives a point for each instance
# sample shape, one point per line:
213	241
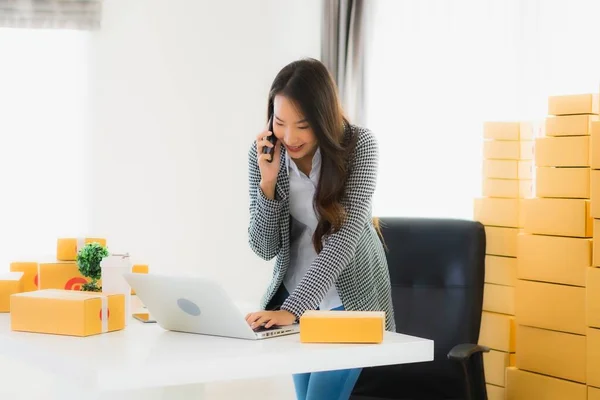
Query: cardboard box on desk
499	299
523	385
501	270
65	312
558	354
564	151
507	169
342	327
10	283
501	212
509	188
501	241
67	248
63	275
583	103
508	150
29	270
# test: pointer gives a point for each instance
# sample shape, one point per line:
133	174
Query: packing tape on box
80	244
39	277
104	314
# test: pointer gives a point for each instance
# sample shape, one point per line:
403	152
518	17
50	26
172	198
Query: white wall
179	91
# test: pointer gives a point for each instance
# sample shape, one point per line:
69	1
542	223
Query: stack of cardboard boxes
554	256
508	179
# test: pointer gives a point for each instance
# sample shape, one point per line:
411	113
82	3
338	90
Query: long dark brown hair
310	86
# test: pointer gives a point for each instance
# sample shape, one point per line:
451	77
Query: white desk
145	361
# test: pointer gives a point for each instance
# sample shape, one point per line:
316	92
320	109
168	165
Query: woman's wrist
268	189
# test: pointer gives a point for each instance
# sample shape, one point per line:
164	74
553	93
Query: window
43	128
438	69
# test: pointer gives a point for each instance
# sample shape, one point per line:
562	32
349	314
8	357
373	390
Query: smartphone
272	139
144	317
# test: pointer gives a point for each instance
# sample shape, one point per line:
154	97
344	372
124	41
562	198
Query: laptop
196	305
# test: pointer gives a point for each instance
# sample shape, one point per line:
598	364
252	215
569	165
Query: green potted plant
88	261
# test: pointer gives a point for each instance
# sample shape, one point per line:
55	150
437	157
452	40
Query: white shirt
304	223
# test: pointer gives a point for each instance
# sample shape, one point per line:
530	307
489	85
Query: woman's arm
263	230
340	247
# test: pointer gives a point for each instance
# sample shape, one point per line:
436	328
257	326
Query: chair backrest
437	269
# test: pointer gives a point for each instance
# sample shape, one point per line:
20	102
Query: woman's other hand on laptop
269	319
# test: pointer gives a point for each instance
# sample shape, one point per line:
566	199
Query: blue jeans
327	385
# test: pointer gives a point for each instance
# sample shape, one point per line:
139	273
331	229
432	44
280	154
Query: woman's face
292	129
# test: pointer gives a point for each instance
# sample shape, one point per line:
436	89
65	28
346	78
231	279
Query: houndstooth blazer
352	259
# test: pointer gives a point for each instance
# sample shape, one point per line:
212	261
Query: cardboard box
501	270
570	125
498	212
507	169
508	150
501	241
67	248
593	297
509	188
498	332
342	327
508	130
573	183
564	151
595	193
494	392
584	103
551	306
560	217
593	357
63	275
553	259
523	385
65	312
10	283
499	299
593	393
494	365
29	270
595	145
139	269
596	245
557	354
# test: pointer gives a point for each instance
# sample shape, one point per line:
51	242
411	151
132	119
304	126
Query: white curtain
43	129
438	69
51	14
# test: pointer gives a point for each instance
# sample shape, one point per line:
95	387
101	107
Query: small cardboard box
559	217
342	327
494	211
501	270
494	365
551	306
595	145
595	193
557	354
523	385
65	312
593	393
494	392
593	297
508	130
10	283
570	125
554	259
508	150
67	248
509	188
564	151
583	103
499	299
596	244
498	332
63	275
501	241
573	183
593	357
507	169
29	270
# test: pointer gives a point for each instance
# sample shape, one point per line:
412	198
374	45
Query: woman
310	206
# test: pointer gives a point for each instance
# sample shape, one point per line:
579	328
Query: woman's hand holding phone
268	163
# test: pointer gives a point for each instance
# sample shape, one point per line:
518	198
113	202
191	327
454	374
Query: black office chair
437	274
